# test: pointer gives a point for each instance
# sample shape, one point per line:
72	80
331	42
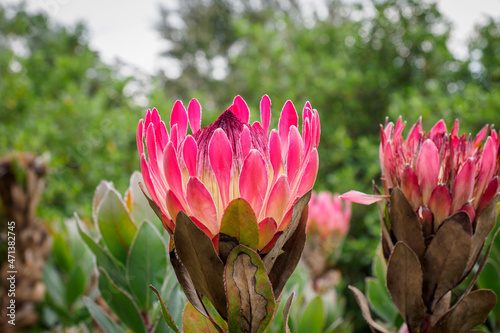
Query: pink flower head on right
439	172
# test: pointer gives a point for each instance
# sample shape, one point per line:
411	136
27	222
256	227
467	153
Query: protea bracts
233	195
441	194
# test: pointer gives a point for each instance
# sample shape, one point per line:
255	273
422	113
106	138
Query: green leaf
379	266
116	225
490	279
194	321
101	189
166	315
380	300
101	317
239	221
54	285
249	292
61	253
103	259
76	285
176	302
146	264
214	315
312	319
120	302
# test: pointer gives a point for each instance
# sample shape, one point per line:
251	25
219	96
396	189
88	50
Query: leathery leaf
249	292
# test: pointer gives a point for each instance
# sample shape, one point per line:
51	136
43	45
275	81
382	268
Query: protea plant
234	196
327	227
441	194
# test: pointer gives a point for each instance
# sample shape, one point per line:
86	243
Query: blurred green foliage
356	63
67	276
58	98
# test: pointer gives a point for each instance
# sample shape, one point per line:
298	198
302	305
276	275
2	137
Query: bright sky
125	29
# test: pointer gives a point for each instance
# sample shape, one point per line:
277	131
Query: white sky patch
125	30
465	14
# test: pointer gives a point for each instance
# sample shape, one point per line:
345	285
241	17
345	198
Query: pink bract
200	172
438	171
328	215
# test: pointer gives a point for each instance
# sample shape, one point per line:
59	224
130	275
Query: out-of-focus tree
57	97
484	50
202	35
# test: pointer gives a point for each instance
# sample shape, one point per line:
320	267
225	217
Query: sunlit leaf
115	224
239	221
193	321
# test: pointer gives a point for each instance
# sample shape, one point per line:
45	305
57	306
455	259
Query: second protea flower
239	184
327	227
441	191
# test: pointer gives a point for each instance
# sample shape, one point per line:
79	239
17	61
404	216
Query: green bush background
58	98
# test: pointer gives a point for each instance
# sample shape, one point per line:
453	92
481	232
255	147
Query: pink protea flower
328	215
440	173
327	227
202	172
441	193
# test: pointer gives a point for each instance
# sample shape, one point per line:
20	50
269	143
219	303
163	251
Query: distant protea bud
441	191
228	185
327	228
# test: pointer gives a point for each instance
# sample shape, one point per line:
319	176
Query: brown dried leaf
286	262
197	253
446	257
298	207
485	222
465	315
442	306
286	313
405	224
226	245
187	285
365	311
404	281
